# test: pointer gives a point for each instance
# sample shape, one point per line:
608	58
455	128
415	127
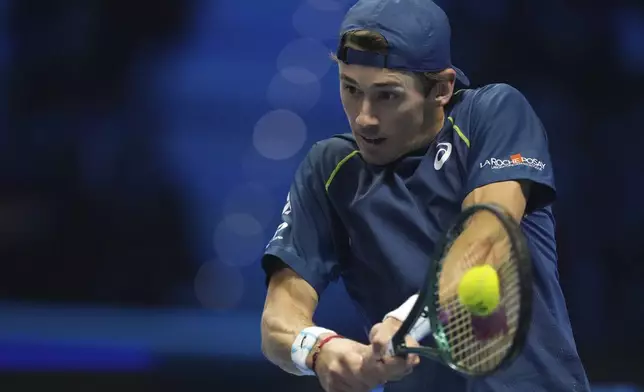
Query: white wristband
403	310
421	328
302	346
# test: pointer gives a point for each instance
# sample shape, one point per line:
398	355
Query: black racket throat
444	341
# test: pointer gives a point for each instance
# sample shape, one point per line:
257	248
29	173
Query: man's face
387	111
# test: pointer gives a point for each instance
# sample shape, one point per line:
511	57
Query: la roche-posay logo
515	160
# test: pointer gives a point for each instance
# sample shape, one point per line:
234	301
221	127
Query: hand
395	368
342	366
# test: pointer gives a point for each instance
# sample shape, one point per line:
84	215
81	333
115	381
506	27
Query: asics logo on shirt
442	154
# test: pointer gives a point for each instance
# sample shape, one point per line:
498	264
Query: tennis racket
470	344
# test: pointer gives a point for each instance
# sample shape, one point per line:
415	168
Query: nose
366	118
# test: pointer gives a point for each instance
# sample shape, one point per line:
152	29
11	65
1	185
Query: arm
289	308
503	127
300	261
482	232
508	165
480	235
511	195
290	305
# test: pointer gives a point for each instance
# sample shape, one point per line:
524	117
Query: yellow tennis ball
479	290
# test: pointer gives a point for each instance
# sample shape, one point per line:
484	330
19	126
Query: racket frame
425	306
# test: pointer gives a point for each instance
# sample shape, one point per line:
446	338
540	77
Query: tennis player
369	206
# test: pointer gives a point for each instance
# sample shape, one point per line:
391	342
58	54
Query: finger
412	359
357	382
355	377
400	375
378	340
383	346
374	331
400	366
395	372
337	385
394	363
341	381
374	371
348	386
394	366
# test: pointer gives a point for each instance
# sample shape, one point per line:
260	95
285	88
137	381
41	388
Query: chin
373	159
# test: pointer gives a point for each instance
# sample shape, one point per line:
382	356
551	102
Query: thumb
379	348
412	359
379	341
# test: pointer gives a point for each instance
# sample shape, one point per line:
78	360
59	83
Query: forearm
482	232
278	335
484	238
289	308
420	329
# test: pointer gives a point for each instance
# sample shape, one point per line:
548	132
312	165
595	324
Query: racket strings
474	354
475	255
467	348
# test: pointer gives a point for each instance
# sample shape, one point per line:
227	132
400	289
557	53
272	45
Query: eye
387	96
352	90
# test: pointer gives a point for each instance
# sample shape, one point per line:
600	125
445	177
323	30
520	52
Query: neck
437	124
433	127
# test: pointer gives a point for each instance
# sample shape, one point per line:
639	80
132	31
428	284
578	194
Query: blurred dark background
146	149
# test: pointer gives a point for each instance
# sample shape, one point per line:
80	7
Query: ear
444	89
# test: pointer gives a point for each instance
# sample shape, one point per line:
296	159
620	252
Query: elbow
278	330
266	352
266	336
276	338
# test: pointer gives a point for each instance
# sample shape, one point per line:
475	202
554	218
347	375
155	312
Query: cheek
416	112
406	120
415	120
348	106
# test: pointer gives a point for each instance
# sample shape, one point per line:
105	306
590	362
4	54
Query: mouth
375	141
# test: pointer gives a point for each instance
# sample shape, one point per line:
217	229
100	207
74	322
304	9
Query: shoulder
328	151
325	156
499	106
482	99
470	108
497	109
493	95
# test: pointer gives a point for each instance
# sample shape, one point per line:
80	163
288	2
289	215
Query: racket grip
421	329
390	349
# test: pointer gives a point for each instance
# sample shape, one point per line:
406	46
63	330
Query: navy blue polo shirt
375	227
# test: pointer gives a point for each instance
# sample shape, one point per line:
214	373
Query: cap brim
460	75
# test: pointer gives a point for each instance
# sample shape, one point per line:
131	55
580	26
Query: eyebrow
391	83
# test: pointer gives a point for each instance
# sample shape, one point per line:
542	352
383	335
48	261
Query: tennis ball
479	290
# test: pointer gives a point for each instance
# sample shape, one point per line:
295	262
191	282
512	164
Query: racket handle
418	332
390	349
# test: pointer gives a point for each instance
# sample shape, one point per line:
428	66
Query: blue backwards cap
418	35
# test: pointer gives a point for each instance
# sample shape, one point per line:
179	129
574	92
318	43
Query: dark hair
371	41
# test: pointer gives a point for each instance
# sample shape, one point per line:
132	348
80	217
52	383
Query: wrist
403	310
316	348
392	321
317	352
304	345
421	328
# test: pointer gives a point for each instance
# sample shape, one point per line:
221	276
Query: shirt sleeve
304	240
509	142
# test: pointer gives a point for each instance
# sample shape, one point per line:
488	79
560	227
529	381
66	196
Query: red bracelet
319	348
